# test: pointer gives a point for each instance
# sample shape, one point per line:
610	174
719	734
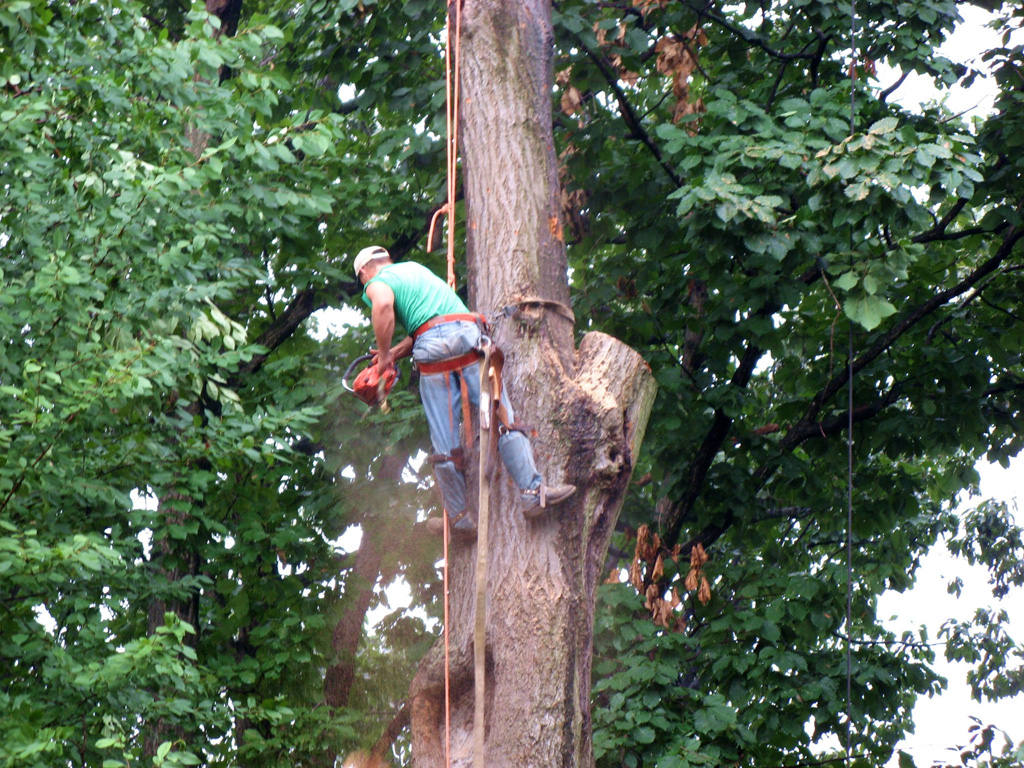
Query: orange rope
433	221
452	119
452	145
447	692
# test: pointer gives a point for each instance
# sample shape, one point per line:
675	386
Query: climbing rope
452	62
447	656
487	412
451	79
849	428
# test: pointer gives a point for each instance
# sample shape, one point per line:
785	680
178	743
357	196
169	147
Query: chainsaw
368	386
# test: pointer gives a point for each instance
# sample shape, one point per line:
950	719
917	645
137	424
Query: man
443	333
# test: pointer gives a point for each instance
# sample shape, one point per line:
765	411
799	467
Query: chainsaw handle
363	359
352	367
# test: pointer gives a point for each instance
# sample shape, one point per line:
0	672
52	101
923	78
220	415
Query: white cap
369	254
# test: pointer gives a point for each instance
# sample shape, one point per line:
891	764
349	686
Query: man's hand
401	350
384	362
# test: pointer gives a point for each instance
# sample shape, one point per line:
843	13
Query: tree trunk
589	408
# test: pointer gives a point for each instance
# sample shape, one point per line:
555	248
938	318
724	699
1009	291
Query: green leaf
868	311
884	126
644	735
846	281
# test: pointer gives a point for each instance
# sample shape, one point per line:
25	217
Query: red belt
471	316
451	364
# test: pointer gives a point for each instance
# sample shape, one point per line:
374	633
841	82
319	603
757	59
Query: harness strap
457	457
467	417
487	429
451	364
472	317
496	364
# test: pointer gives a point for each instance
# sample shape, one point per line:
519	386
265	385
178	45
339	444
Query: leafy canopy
176	464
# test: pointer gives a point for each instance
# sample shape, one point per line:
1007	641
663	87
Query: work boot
536	500
463	528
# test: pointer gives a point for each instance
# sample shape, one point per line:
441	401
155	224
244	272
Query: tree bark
589	407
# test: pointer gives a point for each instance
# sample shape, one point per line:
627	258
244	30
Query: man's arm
402	348
382	315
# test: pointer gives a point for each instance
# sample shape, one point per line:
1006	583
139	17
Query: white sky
942	722
965	46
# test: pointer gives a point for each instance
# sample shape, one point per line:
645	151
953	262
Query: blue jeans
442	400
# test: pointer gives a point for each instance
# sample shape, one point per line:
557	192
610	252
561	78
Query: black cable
849	429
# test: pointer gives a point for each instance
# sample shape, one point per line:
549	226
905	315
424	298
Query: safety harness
495	359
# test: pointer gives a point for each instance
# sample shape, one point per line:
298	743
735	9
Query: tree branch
809	426
884	342
836	425
677	513
398	724
784	513
1005	385
938	233
702	11
703	459
629	115
882	96
712	532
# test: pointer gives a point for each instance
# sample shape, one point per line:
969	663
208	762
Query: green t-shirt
419	294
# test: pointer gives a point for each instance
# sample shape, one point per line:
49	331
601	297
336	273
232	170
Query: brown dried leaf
692	579
698	556
674	599
646	5
572	100
662	613
655	547
636	574
614	577
659	569
693	126
643	536
647	544
674	57
573	204
684	108
677	56
704	593
697	36
563	76
555	228
652	595
626	287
